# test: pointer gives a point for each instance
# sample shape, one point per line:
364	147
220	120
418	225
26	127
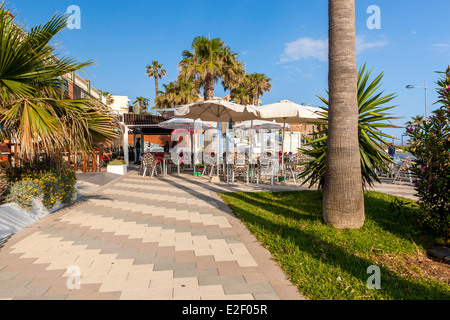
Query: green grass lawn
326	263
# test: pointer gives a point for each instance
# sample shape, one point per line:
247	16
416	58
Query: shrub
33	169
372	118
58	188
3	182
430	144
116	163
22	192
46	179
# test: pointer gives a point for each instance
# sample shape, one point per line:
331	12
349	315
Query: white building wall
120	104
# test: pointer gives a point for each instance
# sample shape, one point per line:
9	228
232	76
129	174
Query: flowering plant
430	144
49	188
46	180
22	192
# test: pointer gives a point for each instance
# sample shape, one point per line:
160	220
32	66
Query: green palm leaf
371	118
31	105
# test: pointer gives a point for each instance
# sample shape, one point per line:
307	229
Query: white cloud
362	44
441	45
304	48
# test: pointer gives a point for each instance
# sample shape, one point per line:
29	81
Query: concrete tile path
142	238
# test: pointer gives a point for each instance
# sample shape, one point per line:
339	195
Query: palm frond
372	117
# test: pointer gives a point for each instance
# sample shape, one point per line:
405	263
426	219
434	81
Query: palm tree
109	98
415	121
259	83
209	61
242	95
343	196
186	92
372	117
167	98
32	108
177	93
155	70
140	105
247	89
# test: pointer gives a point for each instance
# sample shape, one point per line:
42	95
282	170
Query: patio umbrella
290	112
258	124
192	125
186	123
217	110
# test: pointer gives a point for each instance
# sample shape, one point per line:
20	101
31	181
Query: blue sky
284	39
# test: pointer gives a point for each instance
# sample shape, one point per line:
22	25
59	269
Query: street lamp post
422	87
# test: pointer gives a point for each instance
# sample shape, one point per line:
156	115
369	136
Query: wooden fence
85	162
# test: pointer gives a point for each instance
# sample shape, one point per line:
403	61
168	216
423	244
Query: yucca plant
372	117
33	109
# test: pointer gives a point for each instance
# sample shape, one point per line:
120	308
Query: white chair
403	168
266	166
149	162
293	166
240	166
210	163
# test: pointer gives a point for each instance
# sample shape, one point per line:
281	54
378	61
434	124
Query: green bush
3	182
22	192
33	169
430	144
372	118
46	179
116	163
58	188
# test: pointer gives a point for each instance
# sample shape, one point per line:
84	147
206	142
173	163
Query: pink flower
446	89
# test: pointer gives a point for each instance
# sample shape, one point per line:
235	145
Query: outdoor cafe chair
266	166
105	158
403	168
240	166
210	163
149	162
293	166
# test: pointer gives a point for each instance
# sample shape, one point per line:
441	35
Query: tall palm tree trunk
343	201
156	86
209	86
256	97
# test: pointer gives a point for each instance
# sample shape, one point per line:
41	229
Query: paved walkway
141	238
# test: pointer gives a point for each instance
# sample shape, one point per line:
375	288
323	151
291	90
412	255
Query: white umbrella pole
219	135
251	151
282	147
193	136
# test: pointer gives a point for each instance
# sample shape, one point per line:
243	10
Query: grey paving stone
205	280
123	253
50	298
7	276
215	235
248	288
174	266
13	288
31	293
146	258
266	296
